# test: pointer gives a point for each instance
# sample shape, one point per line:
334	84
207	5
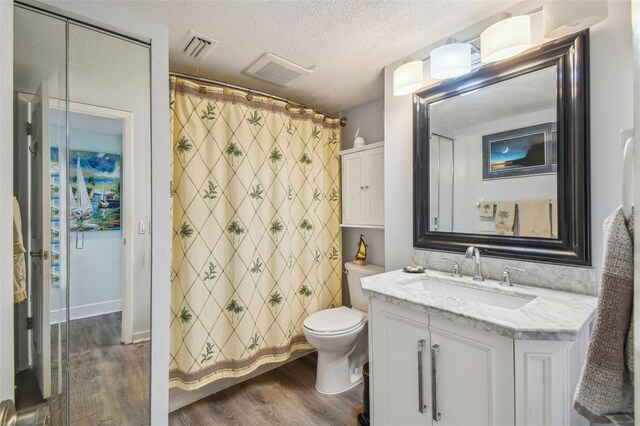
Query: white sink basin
486	297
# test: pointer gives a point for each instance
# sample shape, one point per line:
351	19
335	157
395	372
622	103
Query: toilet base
334	374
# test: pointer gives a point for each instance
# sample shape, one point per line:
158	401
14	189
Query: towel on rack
505	217
486	208
554	219
19	264
534	219
606	385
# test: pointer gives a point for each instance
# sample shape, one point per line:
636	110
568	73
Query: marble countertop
549	315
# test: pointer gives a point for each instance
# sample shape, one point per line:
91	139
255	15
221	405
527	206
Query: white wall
611	111
468	183
369	117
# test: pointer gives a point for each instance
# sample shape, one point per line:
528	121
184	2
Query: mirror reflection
493	159
82	209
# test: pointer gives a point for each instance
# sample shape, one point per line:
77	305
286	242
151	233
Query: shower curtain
256	239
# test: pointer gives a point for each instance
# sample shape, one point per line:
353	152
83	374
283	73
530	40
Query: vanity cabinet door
397	338
474	375
353	192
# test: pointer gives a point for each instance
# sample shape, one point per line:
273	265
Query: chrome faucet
474	253
506	278
455	272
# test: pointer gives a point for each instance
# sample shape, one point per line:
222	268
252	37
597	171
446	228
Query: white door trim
126	212
635	27
6	203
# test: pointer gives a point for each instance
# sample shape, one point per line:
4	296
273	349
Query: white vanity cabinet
363	186
471	384
480	378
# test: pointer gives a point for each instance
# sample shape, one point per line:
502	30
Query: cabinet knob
366	187
362	187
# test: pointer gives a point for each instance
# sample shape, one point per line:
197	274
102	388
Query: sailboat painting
94	191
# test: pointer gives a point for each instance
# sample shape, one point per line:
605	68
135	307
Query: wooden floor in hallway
109	381
283	396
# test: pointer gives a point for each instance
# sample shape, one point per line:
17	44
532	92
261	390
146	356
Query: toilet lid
333	320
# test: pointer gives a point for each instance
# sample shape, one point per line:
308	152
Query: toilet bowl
340	336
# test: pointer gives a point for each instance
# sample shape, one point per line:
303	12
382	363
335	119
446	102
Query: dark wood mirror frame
571	56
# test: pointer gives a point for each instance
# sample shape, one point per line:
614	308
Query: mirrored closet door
82	185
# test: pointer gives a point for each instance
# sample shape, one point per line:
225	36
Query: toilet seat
334	321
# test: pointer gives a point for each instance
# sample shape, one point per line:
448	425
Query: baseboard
179	398
141	336
86	311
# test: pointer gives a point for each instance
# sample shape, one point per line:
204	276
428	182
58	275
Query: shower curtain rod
257	92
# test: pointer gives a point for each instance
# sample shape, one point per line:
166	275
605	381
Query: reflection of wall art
94	185
55	218
520	152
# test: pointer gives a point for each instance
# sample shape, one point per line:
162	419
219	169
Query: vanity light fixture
451	60
561	18
505	39
407	78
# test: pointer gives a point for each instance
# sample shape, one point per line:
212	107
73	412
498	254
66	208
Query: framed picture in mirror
519	152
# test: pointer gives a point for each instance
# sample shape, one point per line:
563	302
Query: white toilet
340	336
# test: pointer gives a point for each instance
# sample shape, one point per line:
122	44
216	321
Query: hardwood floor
108	381
284	396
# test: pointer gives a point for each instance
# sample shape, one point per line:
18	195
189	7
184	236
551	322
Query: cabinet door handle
434	388
421	405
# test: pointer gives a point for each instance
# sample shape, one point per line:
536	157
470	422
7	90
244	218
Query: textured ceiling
347	42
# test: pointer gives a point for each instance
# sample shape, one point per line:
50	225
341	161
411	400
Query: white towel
19	265
534	219
486	208
505	217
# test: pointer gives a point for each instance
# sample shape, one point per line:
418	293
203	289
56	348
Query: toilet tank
354	273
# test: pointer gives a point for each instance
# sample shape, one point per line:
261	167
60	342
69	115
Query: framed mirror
501	158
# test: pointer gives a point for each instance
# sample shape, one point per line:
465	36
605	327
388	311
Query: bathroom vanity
454	351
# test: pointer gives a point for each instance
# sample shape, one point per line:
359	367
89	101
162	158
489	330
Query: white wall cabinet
363	186
429	371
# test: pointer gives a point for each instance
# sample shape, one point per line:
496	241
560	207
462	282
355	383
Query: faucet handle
456	268
506	278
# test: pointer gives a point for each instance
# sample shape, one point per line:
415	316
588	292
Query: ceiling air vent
198	46
276	70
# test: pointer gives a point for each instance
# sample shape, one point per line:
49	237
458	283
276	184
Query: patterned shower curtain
256	239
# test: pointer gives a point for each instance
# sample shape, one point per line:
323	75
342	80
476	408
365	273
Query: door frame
109	18
126	213
635	28
126	219
6	203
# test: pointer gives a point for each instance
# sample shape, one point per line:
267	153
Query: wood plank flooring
108	381
284	396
